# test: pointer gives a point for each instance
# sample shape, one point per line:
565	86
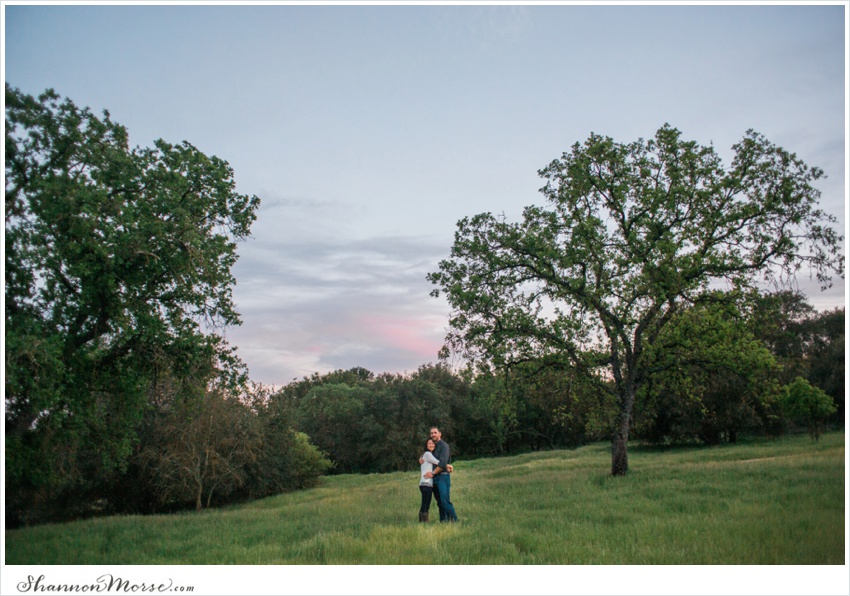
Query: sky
368	131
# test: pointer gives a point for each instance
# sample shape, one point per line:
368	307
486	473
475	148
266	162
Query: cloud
315	297
318	304
489	28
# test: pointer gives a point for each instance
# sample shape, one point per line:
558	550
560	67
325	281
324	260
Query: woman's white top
427	466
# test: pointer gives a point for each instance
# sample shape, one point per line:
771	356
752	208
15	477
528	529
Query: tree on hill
204	445
118	262
632	233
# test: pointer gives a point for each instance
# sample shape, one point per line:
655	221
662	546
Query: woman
426	485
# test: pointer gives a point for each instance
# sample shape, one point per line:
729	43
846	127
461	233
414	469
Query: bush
308	462
807	405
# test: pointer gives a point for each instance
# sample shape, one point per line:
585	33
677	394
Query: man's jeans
442	492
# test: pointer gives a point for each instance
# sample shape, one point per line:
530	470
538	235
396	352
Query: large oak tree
117	262
631	233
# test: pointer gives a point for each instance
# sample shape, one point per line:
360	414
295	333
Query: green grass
763	502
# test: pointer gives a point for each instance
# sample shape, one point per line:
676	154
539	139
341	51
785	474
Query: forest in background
734	374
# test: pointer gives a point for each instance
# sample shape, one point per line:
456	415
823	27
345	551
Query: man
442	478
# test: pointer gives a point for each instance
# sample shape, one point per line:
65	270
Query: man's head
436	435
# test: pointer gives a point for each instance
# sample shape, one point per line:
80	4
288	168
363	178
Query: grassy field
762	502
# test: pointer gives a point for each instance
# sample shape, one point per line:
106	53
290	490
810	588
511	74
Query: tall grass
764	502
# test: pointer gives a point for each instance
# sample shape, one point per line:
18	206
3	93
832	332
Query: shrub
807	405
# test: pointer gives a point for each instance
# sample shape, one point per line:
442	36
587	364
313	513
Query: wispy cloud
316	302
488	27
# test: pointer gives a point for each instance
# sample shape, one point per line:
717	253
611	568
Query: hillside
766	502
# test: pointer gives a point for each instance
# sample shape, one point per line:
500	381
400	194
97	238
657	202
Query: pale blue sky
368	131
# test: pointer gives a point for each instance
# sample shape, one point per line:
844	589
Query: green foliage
826	357
338	421
807	405
371	424
403	408
805	343
782	321
632	233
285	459
536	406
200	447
708	380
118	264
500	408
565	404
308	462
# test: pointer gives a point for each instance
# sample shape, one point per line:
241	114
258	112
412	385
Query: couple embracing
435	478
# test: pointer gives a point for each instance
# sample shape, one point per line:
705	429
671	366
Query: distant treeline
722	373
719	373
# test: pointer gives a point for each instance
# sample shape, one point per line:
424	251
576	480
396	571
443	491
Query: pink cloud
420	336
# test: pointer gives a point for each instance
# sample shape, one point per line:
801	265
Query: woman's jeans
442	492
426	498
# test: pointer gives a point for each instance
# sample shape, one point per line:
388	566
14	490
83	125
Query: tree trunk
619	451
620	441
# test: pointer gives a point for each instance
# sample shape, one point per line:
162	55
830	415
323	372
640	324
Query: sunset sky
369	131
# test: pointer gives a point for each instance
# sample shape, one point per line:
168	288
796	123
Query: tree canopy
118	266
631	233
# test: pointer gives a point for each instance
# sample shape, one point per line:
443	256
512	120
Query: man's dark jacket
443	454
